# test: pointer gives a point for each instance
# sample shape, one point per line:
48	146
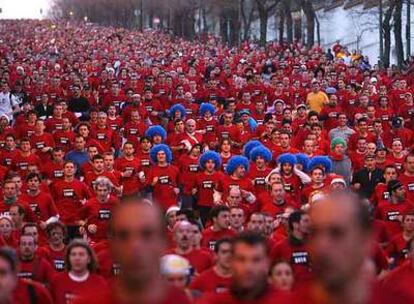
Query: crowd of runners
144	168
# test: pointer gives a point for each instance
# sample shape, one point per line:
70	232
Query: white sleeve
304	178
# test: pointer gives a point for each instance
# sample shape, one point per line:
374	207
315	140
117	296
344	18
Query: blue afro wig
249	146
157	148
210	155
235	162
303	159
261	151
156	130
287	158
320	161
207	107
177	107
252	124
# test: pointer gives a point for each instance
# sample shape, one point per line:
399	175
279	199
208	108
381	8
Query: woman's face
5	227
275	178
282	276
225	146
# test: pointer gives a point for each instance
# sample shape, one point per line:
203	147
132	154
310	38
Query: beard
247	294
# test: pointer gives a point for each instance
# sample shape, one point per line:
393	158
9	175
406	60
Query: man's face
278	192
362	145
109	162
223	220
236	218
69	170
137	242
84	131
33	184
284	140
8	281
9	190
409	164
56	236
370	163
190	126
5	227
305	224
16	217
92	151
79	143
27	246
363	126
224	255
342	120
408	223
249	265
184	235
400	194
317	176
240	171
334	235
256	223
58	155
390	174
25	146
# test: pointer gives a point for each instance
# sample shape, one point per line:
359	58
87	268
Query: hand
155	180
92	228
42	225
194	191
176	191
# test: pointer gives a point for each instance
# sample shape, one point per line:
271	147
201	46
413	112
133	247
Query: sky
17	9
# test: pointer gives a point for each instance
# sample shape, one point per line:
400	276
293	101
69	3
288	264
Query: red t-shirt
400	283
205	185
68	197
210	281
130	184
210	237
163	190
200	260
21	295
65	290
38	269
99	214
41	204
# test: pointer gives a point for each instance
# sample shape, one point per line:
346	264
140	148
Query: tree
386	24
264	7
310	16
399	46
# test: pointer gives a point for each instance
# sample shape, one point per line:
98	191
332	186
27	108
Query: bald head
340	240
137	240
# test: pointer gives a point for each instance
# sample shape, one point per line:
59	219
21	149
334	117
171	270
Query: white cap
338	180
174	264
172	209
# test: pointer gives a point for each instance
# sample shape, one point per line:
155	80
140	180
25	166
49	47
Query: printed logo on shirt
133	131
70	298
35	208
40	145
225	134
211	245
116	269
163	180
300	257
104	214
410	187
288	187
68	193
58	173
145	162
207	184
385	195
221	289
393	216
59	264
260	181
149	108
209	128
23	166
25	275
101	136
193	168
64	140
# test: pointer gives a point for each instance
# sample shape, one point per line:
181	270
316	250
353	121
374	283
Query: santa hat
210	155
177	107
156	130
157	148
249	146
207	107
288	158
320	161
235	162
261	151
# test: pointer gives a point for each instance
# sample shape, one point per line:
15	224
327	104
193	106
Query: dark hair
189	213
216	210
251	239
295	217
20	208
93	263
55	225
225	240
32	175
28	225
97	156
9	255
